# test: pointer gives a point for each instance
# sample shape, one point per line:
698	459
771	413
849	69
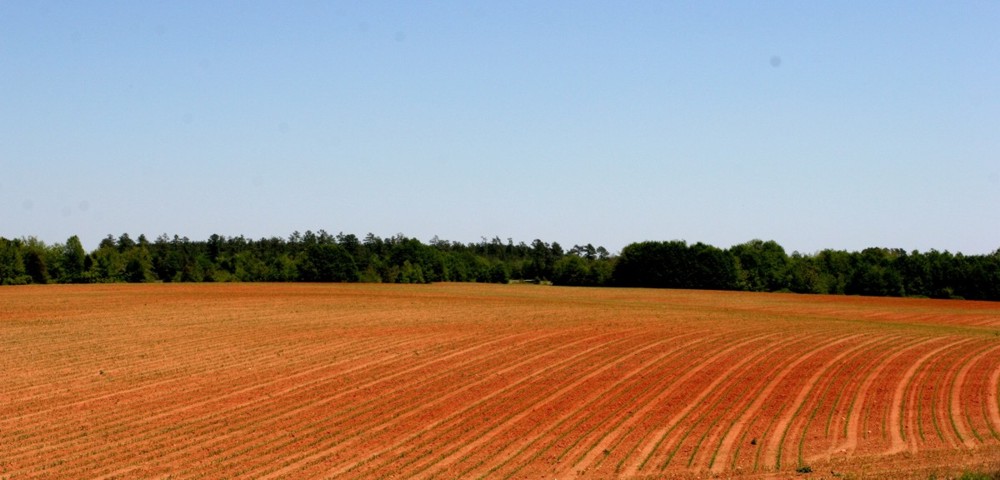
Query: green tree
573	270
35	266
655	264
542	259
328	262
411	273
125	243
107	265
499	273
139	265
284	268
762	266
73	261
12	271
804	275
875	273
835	267
712	268
250	267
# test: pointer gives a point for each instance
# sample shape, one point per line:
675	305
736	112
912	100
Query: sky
842	125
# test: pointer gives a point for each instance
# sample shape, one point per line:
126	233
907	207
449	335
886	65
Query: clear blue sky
816	124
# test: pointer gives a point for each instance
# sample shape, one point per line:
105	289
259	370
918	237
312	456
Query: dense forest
321	257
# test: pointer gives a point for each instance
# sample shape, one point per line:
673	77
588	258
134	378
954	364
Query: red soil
368	381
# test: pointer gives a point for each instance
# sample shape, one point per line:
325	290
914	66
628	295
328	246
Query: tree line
322	257
764	266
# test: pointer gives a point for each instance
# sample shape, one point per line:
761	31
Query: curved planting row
415	454
242	415
663	446
472	381
131	420
264	426
501	400
396	417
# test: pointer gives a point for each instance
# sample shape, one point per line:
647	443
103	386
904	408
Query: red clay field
491	381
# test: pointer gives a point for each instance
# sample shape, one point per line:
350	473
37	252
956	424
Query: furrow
731	444
128	428
505	411
364	413
215	417
321	451
825	436
853	427
726	367
897	444
784	424
630	463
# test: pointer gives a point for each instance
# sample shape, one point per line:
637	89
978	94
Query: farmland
490	381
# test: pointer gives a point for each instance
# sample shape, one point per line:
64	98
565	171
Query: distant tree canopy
676	265
760	266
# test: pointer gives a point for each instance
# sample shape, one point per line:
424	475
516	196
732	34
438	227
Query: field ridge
490	381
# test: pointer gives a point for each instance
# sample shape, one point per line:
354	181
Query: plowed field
490	381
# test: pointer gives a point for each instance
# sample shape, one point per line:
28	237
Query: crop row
186	421
489	382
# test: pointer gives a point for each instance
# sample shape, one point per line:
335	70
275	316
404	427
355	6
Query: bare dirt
491	381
